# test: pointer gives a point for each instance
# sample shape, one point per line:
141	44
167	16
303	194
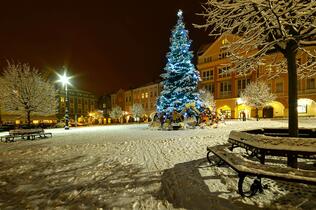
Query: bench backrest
26	131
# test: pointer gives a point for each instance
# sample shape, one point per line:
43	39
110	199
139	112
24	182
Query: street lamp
64	79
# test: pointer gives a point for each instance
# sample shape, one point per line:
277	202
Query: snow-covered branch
257	94
138	110
263	27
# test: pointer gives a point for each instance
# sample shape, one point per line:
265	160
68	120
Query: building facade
145	95
212	64
81	104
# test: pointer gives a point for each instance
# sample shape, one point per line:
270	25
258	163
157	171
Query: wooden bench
30	133
245	167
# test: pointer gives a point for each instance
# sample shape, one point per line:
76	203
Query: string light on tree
181	78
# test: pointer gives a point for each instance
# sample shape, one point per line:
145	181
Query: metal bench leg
254	188
214	160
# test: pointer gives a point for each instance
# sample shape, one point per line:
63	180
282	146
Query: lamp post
64	79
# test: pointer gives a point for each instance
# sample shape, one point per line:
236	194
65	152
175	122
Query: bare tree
27	92
116	112
257	94
207	98
278	28
138	110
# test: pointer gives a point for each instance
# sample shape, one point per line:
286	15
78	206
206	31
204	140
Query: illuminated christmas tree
180	80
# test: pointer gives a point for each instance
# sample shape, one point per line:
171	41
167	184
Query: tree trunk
257	113
290	55
291	51
28	117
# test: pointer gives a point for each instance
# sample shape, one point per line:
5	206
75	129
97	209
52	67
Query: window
209	87
310	83
226	88
207	75
62	99
279	87
208	59
143	95
242	84
146	95
224	72
224	55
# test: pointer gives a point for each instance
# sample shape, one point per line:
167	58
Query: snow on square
135	167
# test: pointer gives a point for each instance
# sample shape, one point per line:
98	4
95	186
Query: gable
215	47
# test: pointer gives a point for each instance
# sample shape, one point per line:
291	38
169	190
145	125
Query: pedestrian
243	116
223	118
162	119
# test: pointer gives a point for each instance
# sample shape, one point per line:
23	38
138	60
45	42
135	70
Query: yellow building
226	87
145	95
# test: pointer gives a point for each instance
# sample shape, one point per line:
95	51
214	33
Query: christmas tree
180	80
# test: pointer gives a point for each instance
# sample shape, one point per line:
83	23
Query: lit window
62	99
224	72
226	88
209	87
242	84
143	95
146	95
207	75
302	108
225	41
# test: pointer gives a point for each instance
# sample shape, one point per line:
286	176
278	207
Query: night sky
106	44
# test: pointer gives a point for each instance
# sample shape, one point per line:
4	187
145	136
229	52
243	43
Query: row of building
81	106
212	63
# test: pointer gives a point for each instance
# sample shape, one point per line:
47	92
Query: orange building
145	95
226	87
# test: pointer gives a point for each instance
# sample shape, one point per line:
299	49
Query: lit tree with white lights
138	111
116	113
180	79
257	94
207	98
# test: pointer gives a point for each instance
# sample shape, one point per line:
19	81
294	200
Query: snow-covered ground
134	167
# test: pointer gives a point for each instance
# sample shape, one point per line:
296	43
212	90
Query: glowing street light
64	79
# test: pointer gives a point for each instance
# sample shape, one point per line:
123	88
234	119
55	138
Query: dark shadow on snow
71	184
184	187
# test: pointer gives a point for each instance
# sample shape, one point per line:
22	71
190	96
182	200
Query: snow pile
133	167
